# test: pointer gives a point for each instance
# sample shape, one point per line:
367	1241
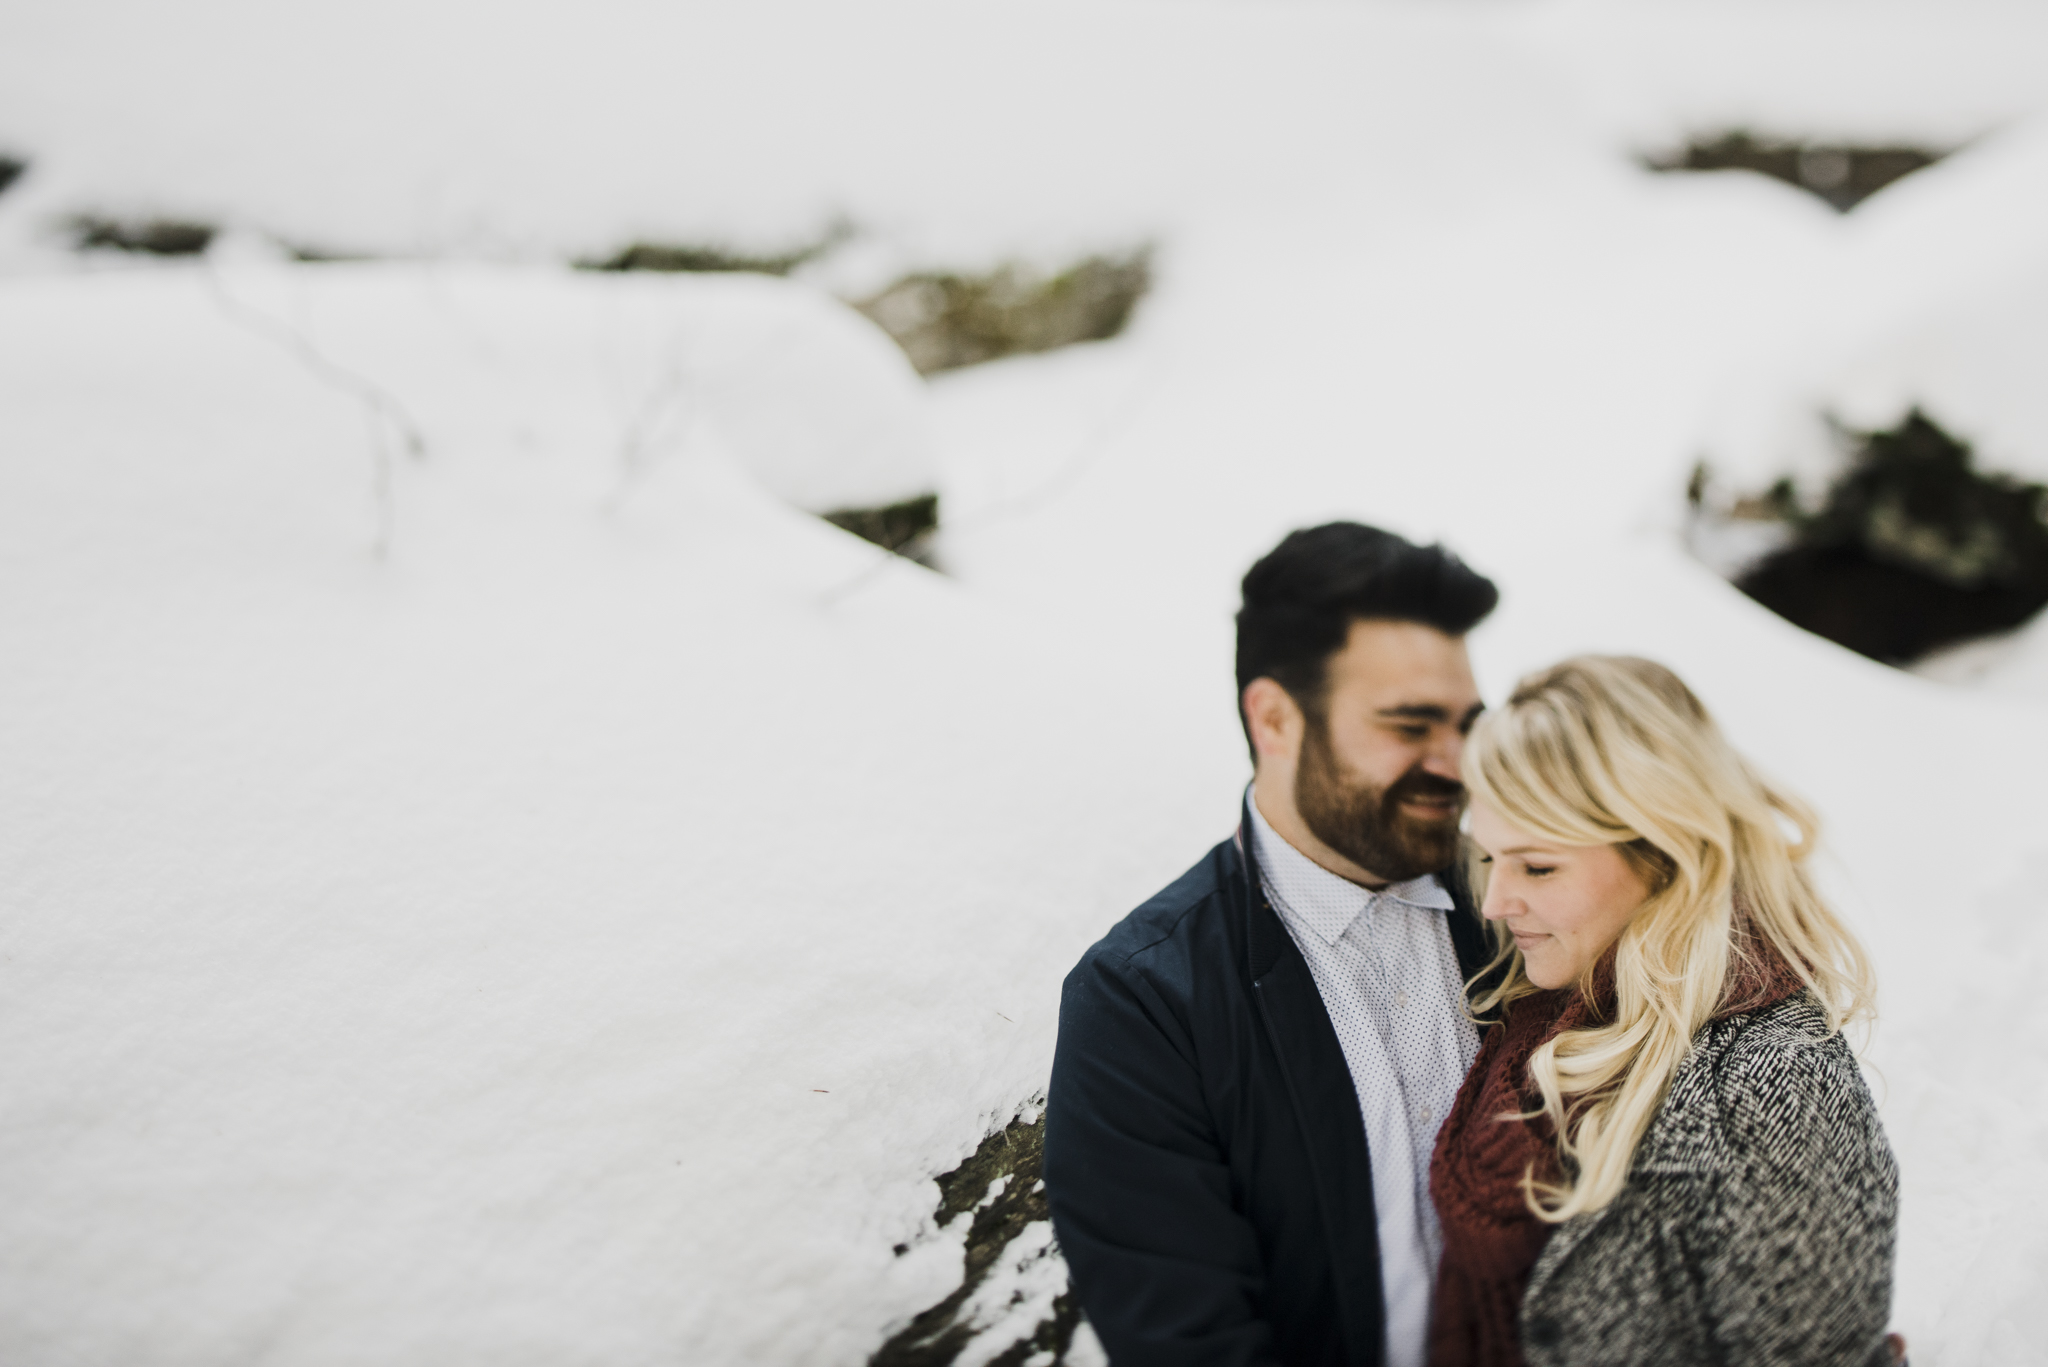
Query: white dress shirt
1388	975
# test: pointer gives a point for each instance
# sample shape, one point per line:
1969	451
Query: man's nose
1446	752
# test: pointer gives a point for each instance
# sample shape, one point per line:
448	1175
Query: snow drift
581	932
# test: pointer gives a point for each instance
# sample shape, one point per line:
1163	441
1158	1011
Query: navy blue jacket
1205	1156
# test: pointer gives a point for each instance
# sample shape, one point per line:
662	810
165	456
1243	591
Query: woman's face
1565	904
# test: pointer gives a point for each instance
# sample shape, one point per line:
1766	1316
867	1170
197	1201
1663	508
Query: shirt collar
1324	902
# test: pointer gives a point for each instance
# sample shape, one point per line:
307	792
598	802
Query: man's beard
1367	825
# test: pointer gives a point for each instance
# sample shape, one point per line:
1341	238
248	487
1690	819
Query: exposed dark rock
711	257
11	170
905	527
944	321
1843	174
150	236
1912	548
937	1336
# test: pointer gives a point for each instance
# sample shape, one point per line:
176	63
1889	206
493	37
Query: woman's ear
1651	864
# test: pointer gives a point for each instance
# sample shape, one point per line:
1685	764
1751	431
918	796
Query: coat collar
1265	937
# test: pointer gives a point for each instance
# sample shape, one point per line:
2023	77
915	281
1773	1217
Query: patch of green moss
149	236
936	1336
944	321
677	257
905	527
314	254
1911	549
1843	174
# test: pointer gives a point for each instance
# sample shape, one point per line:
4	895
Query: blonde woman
1665	1153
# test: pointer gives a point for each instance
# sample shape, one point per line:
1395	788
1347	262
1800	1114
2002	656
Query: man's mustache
1422	783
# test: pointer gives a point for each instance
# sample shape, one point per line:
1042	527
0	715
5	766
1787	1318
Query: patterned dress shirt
1388	975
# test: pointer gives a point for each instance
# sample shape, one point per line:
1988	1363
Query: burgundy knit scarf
1491	1239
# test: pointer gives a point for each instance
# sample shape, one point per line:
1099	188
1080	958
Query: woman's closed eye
1539	870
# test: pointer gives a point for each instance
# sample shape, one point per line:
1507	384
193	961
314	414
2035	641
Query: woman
1665	1153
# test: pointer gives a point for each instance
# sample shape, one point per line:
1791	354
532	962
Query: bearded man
1253	1065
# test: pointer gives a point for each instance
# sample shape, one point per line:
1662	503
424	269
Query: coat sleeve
1167	1269
1799	1267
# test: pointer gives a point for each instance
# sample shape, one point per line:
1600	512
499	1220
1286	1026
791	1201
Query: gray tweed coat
1757	1224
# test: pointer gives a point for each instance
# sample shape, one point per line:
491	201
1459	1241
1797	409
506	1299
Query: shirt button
1428	1114
1400	999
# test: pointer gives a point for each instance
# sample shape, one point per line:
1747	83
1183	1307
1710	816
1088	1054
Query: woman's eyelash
1538	870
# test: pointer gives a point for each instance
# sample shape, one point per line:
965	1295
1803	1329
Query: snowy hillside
494	880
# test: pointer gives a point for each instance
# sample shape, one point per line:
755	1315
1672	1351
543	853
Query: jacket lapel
1318	1082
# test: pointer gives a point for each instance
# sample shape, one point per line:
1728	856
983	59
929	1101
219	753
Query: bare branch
383	412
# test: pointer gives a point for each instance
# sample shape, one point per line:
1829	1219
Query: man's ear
1274	719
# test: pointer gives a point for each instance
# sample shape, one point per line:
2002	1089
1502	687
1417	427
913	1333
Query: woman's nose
1498	906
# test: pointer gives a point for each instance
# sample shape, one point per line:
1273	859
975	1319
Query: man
1252	1066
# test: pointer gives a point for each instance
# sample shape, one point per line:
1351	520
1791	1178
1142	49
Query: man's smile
1433	808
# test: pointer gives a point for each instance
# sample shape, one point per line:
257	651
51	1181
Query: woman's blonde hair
1606	750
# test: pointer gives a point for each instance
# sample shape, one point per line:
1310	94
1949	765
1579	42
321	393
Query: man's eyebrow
1417	711
1429	711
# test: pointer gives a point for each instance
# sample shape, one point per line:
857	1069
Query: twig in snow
383	412
644	431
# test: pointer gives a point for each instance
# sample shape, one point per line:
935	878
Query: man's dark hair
1301	599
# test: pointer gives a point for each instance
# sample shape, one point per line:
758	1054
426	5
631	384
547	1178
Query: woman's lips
1526	942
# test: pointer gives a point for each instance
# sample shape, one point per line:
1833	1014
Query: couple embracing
1556	1080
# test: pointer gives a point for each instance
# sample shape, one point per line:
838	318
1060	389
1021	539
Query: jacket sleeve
1168	1271
1799	1267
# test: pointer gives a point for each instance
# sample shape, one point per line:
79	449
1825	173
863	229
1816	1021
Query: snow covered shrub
1011	1264
902	527
700	256
1842	174
150	236
1910	549
944	321
11	169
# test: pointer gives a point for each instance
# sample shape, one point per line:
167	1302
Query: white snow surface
547	899
467	360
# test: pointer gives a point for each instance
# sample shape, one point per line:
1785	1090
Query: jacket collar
1265	937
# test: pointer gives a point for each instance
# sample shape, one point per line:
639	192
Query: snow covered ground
544	898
